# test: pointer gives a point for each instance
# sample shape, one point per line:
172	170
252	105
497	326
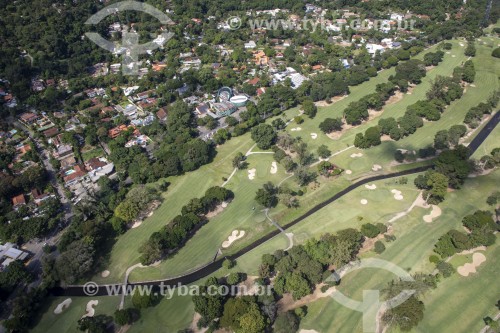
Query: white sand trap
461	44
136	224
348	172
274	167
376	167
364	201
308	331
477	260
448	52
105	274
434	214
371	187
473	85
453	56
397	194
314	136
90	308
356	155
296	129
63	305
251	173
235	235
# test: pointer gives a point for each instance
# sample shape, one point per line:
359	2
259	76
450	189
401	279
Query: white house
250	45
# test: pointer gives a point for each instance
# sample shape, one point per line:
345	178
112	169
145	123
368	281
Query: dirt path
419	202
332	155
287	302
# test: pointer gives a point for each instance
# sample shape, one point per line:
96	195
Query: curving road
104	290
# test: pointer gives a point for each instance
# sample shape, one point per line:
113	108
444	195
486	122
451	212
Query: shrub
389	238
434	259
446	269
228	263
496	52
369	230
382	228
379	247
233	278
298	120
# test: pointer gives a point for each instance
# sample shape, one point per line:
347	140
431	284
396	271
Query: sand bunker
397	194
371	187
105	274
348	172
251	173
274	167
63	305
308	331
136	224
435	213
235	235
314	136
356	155
477	260
90	308
453	56
296	129
364	201
448	52
473	85
461	44
376	167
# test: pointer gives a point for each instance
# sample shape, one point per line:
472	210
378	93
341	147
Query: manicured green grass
202	247
249	263
460	303
411	250
238	215
491	142
392	110
66	322
486	82
170	315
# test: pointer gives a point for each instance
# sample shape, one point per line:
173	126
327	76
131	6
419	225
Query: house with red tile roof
161	114
18	200
53	131
29	117
253	81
